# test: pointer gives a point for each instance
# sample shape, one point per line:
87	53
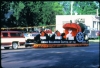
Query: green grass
96	40
99	37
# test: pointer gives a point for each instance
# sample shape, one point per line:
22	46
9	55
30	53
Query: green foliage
57	8
18	6
99	37
99	11
85	7
34	13
4	10
66	7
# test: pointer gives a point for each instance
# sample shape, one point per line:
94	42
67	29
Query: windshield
28	35
35	34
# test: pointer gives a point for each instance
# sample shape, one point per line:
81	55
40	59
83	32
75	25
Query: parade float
71	37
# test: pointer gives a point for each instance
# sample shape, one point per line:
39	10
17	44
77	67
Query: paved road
69	57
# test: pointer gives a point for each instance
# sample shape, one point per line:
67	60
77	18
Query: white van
92	34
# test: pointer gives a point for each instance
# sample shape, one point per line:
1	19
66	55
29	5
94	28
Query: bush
99	37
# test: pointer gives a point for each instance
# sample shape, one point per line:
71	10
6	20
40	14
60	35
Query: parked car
98	33
92	34
29	37
12	39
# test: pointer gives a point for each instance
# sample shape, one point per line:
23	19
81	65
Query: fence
29	29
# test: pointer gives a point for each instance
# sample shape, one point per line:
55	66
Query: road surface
69	57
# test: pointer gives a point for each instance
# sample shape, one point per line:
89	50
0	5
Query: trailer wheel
14	45
80	37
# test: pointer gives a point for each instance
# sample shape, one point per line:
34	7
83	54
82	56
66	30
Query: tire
31	45
26	46
7	47
14	45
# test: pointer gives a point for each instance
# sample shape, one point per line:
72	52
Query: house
92	21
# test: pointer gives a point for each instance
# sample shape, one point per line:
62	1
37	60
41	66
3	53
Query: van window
5	34
15	34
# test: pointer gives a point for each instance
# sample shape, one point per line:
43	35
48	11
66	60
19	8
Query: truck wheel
14	45
26	46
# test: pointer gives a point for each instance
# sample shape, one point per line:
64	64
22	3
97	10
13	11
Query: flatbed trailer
59	45
71	37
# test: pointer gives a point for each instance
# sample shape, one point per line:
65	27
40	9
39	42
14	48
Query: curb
94	40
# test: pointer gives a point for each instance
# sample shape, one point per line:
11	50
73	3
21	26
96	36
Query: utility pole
97	12
71	7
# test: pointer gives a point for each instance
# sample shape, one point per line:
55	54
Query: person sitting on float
63	35
55	36
49	32
69	35
58	35
44	36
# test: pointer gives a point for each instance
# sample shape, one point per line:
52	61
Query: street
69	57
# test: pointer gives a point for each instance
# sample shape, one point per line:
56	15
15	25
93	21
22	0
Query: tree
66	7
85	7
4	11
99	11
54	8
31	13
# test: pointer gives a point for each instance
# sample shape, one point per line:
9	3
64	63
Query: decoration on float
80	37
72	36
